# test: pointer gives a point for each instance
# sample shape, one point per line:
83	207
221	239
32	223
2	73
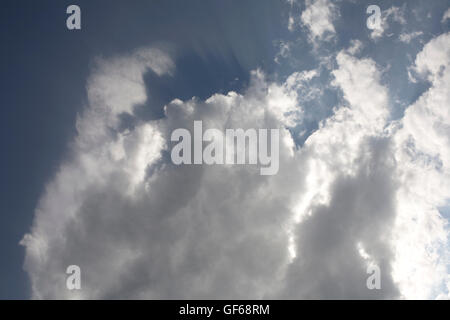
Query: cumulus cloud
141	227
343	209
361	191
422	146
355	47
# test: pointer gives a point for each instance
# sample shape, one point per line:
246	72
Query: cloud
362	190
98	162
329	264
318	18
446	15
407	37
141	227
393	14
349	163
422	145
283	52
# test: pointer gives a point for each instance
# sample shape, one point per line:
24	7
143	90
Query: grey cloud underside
361	210
195	236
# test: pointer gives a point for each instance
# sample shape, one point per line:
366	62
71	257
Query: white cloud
393	14
318	18
348	163
182	232
360	191
446	15
141	227
355	47
407	37
423	144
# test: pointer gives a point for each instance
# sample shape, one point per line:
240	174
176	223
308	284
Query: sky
364	158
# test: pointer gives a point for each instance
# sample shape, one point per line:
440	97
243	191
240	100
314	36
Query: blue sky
215	46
